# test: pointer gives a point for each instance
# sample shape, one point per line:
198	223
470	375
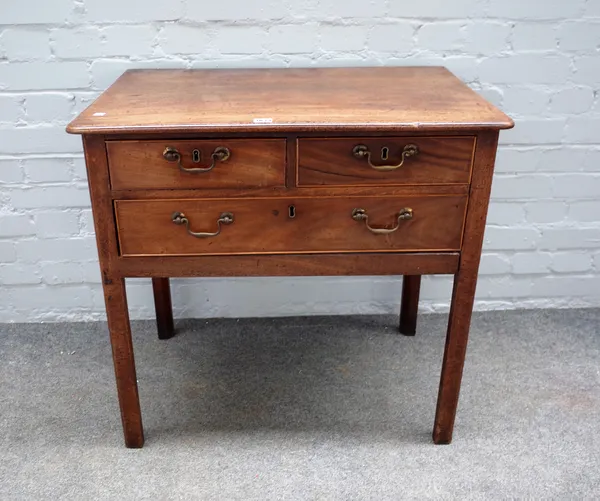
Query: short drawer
385	160
281	225
219	163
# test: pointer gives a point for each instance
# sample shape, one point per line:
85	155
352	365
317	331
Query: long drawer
202	163
381	161
290	225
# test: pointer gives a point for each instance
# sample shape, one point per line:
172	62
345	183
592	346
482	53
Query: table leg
122	349
164	308
411	287
461	308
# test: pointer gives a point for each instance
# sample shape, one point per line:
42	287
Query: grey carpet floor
331	408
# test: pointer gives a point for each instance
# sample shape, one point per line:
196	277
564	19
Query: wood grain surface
290	265
292	100
141	165
330	161
265	226
463	292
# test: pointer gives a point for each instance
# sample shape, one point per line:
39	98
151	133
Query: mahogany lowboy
364	171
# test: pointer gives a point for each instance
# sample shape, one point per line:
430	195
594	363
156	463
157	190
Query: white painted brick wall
539	60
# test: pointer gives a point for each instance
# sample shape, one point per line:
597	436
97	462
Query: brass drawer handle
224	218
220	154
361	215
362	151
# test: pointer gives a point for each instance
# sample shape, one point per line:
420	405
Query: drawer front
226	163
280	225
385	161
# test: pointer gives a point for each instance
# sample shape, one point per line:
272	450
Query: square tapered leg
164	308
411	287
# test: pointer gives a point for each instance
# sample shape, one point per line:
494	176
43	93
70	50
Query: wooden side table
364	171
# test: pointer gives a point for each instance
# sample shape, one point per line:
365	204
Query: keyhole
196	156
384	153
291	212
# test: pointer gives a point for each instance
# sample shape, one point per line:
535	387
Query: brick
49	107
234	10
535	131
570	238
586	70
16	225
522	186
292	39
40	139
57	250
352	8
54	224
79	169
56	75
597	261
25	43
441	36
592	8
517	160
561	159
77	43
8	253
494	264
530	68
492	94
83	100
248	61
90	272
583	130
340	38
36	12
535	9
437	9
504	287
585	212
18	274
133	10
10	172
486	38
546	212
526	263
62	273
393	38
56	196
240	40
510	238
505	214
464	67
556	286
579	36
534	37
47	170
86	219
577	186
59	297
127	40
591	160
177	39
525	100
571	262
11	110
573	100
106	71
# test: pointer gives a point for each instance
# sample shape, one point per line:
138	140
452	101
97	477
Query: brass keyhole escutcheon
196	156
385	153
291	212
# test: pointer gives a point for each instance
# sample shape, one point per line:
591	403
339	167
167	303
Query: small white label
263	120
99	114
